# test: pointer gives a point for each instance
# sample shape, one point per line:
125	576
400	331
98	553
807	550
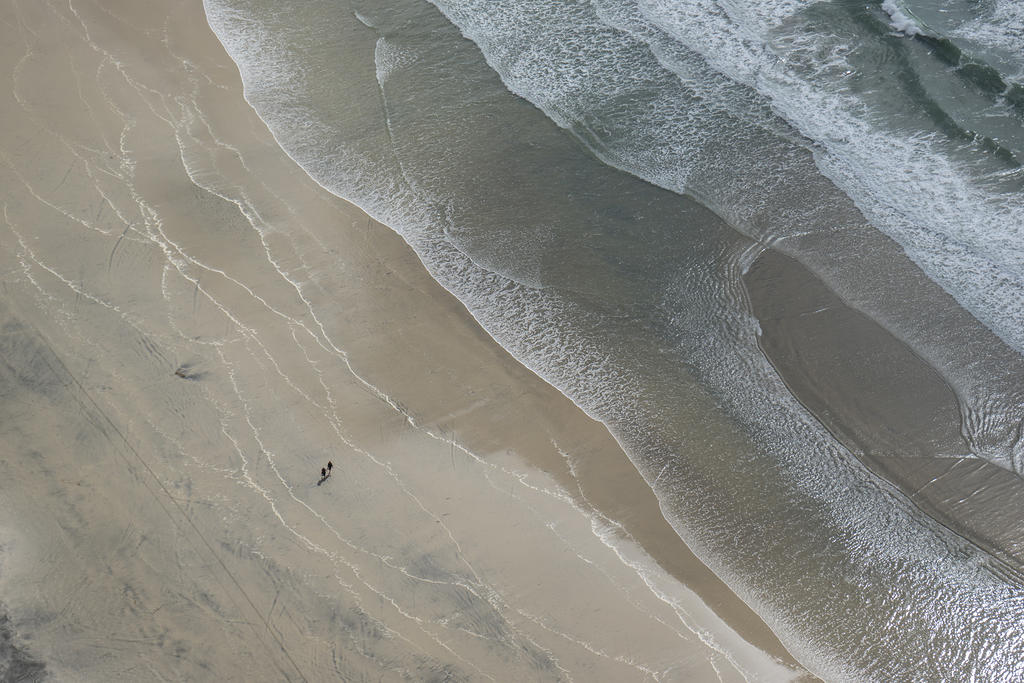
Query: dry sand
191	328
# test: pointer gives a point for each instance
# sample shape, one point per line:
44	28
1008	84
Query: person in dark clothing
323	473
330	466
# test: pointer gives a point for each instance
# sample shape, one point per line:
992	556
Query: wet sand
190	328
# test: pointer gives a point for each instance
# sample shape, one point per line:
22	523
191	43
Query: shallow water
593	179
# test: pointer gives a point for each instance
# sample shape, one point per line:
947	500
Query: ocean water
592	179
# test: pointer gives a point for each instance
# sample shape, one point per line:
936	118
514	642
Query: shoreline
629	502
629	497
195	370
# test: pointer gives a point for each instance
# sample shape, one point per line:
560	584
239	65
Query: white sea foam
964	236
389	58
899	18
1002	32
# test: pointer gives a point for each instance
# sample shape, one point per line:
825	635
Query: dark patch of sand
887	405
16	664
865	385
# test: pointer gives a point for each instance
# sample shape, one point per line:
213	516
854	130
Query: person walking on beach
323	473
330	466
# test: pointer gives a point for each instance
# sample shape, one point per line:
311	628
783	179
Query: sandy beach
192	328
